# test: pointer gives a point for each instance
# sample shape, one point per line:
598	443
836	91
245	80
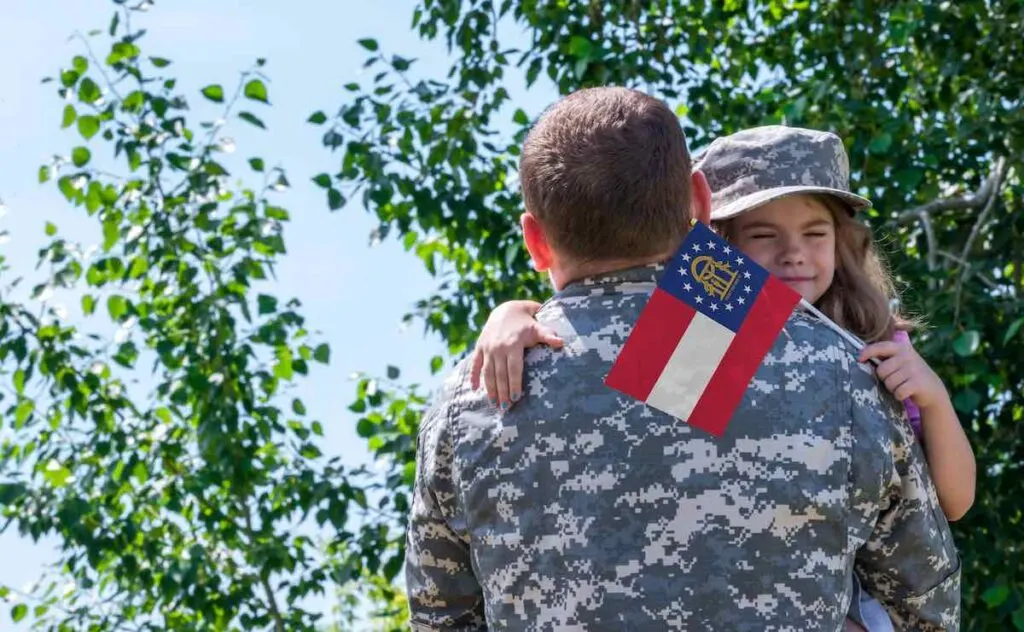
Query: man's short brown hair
606	172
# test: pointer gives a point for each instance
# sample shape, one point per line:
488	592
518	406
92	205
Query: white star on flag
728	307
682	271
696	247
741	300
739	261
687	287
746	288
746	275
699	299
714	307
686	257
727	250
711	245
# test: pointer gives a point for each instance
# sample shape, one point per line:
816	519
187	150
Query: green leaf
88	304
88	91
967	343
283	367
335	199
88	126
909	178
322	180
69	116
520	117
881	143
80	156
44	174
111	233
68	78
392	567
256	90
580	47
369	44
322	353
251	118
67	187
317	118
51	229
80	64
214	92
140	473
56	474
401	64
393	372
1012	330
22	413
18	612
1018	619
267	304
256	164
134	101
117	307
160	62
366	428
298	407
967	401
996	596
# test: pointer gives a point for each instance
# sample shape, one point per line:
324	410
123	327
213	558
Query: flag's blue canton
713	277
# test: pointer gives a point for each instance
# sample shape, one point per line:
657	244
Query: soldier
582	509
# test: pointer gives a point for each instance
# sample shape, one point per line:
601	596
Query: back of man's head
606	172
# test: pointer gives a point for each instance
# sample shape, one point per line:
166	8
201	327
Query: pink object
913	412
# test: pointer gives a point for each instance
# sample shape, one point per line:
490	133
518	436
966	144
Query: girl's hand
905	373
508	332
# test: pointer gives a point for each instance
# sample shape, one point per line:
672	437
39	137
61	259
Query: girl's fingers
478	365
879	350
547	336
515	376
500	365
490	378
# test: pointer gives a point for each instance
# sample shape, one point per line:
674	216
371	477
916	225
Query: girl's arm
949	453
950	457
509	331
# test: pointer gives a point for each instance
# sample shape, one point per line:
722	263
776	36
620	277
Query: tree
926	95
178	508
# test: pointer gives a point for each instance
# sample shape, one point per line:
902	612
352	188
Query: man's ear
700	194
536	242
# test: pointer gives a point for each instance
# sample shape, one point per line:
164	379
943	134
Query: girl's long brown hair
860	297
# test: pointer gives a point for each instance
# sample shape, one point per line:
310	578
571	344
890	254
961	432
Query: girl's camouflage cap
762	164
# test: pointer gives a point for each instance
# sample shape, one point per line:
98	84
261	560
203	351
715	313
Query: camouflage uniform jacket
581	509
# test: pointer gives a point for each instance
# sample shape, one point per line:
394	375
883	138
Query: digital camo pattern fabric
582	509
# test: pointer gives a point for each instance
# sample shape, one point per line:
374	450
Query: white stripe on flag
691	366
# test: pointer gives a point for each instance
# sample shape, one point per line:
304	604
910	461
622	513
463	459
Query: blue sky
311	53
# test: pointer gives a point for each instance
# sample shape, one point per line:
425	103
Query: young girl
809	239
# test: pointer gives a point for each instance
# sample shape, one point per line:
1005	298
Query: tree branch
977	200
275	612
989	283
993	194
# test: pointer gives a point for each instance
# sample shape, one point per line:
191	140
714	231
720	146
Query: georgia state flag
704	332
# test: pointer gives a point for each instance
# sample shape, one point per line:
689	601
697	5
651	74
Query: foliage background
158	499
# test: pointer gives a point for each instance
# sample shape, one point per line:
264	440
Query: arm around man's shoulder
444	593
906	557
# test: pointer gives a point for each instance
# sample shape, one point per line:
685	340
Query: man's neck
564	275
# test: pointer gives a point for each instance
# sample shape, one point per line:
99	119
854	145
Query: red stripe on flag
753	341
646	352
